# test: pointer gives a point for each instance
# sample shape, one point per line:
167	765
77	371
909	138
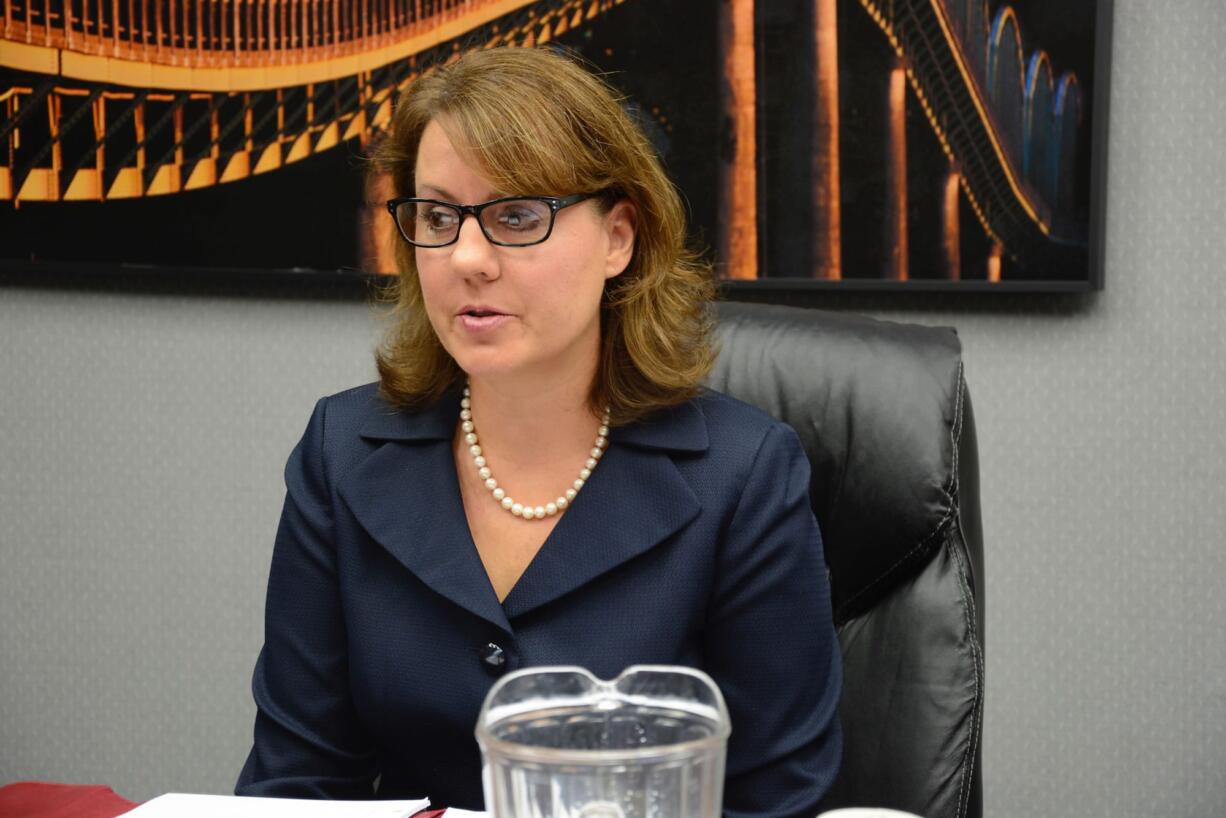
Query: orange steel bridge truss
181	94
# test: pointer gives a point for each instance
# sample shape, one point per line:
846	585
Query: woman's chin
481	364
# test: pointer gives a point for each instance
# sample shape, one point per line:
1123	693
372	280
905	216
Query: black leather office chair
884	414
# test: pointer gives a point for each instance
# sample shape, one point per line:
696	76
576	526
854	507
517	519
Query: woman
538	477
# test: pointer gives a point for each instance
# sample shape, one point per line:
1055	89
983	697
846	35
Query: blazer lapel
406	495
635	499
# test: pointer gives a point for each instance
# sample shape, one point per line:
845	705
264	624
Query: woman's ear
620	223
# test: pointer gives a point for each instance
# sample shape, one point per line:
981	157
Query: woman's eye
518	218
439	219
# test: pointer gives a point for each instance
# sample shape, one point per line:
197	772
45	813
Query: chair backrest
884	415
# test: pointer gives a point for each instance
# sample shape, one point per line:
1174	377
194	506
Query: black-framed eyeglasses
513	221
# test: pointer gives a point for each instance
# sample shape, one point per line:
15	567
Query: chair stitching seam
968	608
970	615
950	489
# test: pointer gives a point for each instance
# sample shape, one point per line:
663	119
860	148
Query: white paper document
453	812
183	805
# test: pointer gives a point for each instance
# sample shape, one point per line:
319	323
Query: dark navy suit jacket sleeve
309	742
770	644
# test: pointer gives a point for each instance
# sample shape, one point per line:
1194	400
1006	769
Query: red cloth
39	799
45	800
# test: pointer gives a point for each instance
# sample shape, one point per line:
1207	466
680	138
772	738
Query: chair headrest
878	407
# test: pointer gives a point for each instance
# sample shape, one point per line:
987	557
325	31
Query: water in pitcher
567	745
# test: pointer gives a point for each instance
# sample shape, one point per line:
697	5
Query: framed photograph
847	144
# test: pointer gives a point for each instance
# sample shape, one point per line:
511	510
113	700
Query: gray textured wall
142	436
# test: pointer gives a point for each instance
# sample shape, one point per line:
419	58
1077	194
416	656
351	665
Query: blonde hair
536	122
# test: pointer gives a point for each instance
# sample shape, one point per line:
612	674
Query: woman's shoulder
344	414
716	425
730	420
357	402
353	421
724	447
723	407
364	411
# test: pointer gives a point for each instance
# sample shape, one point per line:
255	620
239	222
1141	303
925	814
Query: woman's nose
472	253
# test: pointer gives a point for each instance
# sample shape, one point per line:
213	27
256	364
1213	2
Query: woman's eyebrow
437	191
446	195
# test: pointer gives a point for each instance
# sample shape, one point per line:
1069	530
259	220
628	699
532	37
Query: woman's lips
486	322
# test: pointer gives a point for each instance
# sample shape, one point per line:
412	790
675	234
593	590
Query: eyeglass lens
514	221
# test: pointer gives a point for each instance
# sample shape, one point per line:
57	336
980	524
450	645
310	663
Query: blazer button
495	658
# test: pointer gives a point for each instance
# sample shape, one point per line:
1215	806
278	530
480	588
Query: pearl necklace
500	495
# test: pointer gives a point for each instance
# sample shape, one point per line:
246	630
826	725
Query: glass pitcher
556	742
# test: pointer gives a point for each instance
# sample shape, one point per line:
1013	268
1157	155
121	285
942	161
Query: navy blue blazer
692	543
